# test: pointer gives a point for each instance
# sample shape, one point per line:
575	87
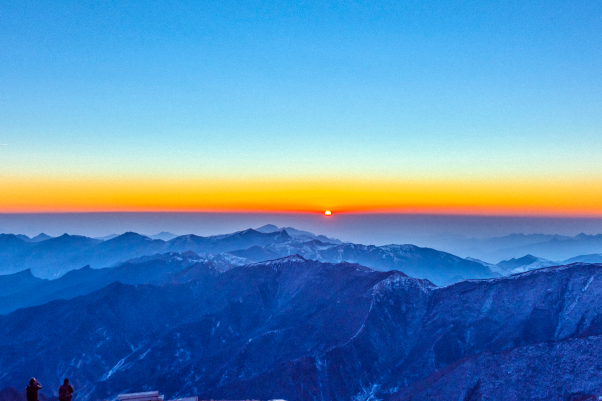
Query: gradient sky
438	107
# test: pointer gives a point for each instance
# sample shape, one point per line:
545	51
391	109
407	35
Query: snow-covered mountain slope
304	330
438	267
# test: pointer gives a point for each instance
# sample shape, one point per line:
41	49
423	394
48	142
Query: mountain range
299	329
557	248
26	290
299	234
23	289
54	257
530	262
493	250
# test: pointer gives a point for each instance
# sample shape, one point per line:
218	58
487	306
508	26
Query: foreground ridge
298	329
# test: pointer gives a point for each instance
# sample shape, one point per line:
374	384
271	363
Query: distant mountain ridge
177	267
17	282
530	262
526	263
164	235
38	238
491	250
299	234
439	267
550	247
158	269
53	257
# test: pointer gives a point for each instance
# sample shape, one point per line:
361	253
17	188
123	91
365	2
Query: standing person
32	389
65	391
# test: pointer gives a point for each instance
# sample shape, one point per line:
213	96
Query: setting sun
327	213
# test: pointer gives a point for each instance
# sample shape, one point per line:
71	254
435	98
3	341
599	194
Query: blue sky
412	90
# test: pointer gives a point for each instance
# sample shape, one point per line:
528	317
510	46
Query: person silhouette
65	391
32	389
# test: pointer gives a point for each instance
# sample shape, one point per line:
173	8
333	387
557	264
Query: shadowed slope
304	330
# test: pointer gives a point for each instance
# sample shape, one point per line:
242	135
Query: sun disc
327	213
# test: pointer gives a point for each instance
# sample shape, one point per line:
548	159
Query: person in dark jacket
32	389
65	391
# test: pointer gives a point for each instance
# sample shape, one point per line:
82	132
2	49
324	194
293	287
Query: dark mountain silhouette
593	258
121	248
226	243
514	263
304	330
17	282
11	245
157	269
43	257
268	228
53	257
40	237
23	237
299	234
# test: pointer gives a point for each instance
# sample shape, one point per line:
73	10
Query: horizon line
543	215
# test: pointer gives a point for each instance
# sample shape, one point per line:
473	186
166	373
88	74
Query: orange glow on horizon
34	195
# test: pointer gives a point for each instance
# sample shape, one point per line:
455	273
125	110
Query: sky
437	107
